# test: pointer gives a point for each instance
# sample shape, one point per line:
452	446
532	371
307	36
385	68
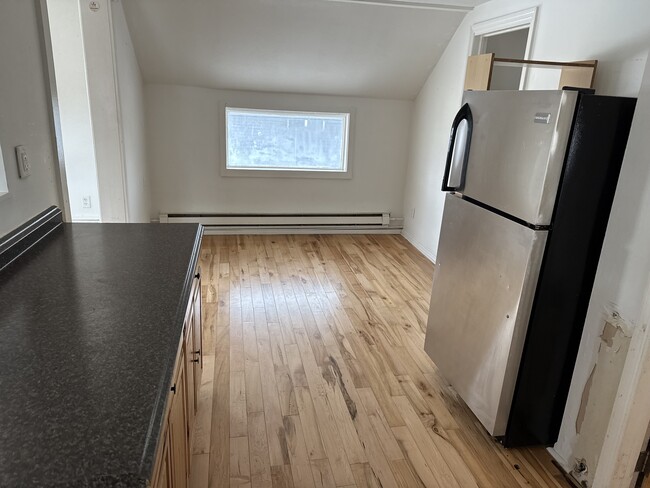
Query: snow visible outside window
286	140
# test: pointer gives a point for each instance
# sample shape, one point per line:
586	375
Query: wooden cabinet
198	340
173	461
190	398
162	473
177	427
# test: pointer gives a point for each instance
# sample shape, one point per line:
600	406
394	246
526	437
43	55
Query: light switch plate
24	166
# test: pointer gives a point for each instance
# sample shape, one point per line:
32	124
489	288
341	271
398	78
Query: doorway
508	37
510	45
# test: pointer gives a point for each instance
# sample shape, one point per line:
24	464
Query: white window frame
287	173
4	187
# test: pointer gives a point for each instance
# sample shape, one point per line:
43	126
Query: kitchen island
96	323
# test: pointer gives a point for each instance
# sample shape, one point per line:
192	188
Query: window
286	143
4	189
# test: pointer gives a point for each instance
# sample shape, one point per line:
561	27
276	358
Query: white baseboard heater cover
282	220
285	222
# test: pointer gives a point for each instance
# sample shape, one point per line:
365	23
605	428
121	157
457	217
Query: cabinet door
162	476
190	360
178	429
198	337
163	481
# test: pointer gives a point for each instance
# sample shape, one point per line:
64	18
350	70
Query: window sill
273	173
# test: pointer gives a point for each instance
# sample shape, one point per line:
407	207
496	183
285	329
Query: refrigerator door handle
458	153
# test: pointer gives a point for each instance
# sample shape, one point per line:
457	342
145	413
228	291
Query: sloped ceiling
356	48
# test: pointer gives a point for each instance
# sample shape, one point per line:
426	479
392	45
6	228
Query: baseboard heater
289	223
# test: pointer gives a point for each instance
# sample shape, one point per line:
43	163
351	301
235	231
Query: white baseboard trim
420	247
220	231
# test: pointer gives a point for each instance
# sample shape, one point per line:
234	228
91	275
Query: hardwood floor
315	374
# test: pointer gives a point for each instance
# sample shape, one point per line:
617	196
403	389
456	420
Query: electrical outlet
24	166
85	202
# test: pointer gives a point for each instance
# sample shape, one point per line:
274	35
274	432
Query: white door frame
54	110
522	19
627	430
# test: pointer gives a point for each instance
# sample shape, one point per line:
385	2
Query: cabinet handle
173	388
194	360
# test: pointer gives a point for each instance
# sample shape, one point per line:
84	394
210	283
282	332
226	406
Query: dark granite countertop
90	322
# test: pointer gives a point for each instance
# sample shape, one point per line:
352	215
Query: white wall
74	108
623	272
433	112
183	142
101	107
615	33
24	115
131	104
99	50
618	35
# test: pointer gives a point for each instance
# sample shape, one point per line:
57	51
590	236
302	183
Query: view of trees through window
273	139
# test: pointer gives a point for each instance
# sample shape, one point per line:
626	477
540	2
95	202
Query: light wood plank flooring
315	374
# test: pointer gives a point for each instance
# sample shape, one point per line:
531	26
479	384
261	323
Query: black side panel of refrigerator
590	174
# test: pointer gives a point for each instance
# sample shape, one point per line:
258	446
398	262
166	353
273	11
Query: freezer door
519	140
485	277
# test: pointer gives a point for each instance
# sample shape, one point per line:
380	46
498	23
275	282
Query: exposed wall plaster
598	395
583	404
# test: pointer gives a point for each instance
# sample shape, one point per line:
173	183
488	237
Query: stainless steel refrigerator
530	178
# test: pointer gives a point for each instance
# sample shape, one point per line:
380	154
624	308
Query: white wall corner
101	74
427	251
131	119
